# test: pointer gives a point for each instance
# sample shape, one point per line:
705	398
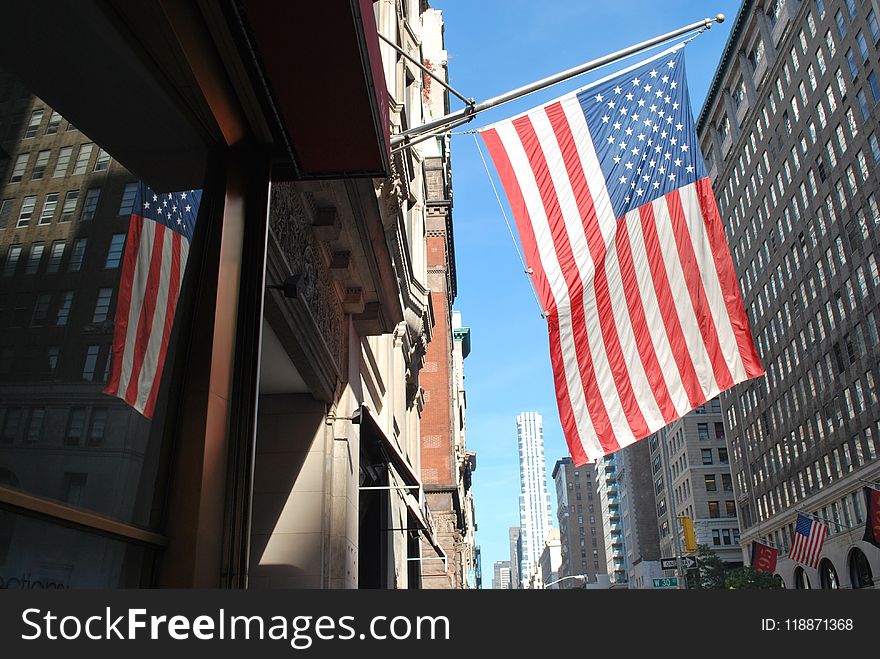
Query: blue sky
495	46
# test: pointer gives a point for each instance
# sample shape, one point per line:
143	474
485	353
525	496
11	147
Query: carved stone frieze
290	221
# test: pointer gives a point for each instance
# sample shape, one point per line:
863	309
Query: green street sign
670	582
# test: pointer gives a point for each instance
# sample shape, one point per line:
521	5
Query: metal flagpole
468	101
473	109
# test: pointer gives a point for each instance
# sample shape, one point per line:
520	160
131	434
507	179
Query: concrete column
288	532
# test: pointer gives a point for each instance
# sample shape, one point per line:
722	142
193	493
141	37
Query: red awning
323	65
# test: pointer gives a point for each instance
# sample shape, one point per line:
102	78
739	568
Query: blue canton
803	525
643	132
176	210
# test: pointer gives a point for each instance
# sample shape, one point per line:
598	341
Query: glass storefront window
71	318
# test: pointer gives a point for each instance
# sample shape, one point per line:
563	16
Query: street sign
668	563
687	562
671	582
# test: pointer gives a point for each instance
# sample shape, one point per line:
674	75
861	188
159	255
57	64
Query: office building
580	525
638	518
446	463
608	499
501	580
534	502
550	562
515	537
790	134
691	474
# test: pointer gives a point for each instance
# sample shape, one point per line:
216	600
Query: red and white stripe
152	268
806	549
644	311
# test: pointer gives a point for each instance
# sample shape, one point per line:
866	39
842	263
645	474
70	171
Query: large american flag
156	250
619	224
806	544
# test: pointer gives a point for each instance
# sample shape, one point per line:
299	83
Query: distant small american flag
618	223
806	545
156	249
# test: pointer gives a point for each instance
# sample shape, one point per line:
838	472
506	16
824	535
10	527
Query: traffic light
690	538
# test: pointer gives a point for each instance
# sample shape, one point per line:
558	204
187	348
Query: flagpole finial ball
720	18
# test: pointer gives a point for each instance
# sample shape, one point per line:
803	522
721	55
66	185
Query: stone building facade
300	468
790	134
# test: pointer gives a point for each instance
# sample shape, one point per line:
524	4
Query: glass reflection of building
66	206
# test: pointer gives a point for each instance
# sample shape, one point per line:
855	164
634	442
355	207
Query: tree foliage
711	572
714	574
747	578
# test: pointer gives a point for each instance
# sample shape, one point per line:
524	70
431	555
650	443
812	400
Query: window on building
90	363
841	23
102	305
714	509
730	508
27	211
34	124
41	309
756	54
102	162
722	456
40	164
76	423
13	254
853	67
114	252
63	313
18	168
703	431
863	46
6	212
711	485
35	427
49	206
873	27
706	454
127	204
55	256
54	123
97	426
77	254
35	258
11	425
63	162
68	209
91	204
82	158
874	85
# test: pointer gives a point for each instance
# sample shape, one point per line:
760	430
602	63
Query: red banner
764	557
872	524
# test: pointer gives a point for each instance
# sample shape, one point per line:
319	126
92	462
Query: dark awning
323	63
162	85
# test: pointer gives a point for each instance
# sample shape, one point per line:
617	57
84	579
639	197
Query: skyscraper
790	134
580	521
691	477
501	580
515	553
534	502
608	494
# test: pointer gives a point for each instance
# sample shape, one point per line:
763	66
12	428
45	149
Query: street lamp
580	577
